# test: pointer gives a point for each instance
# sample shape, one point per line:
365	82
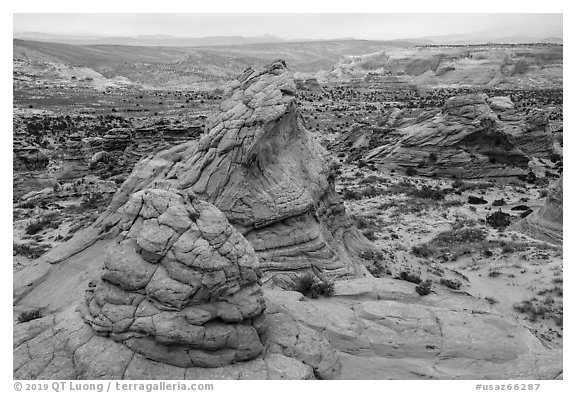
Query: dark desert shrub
370	234
30	315
411	171
427	192
422	251
424	288
351	195
48	221
31	250
452	284
498	220
410	277
499	202
311	287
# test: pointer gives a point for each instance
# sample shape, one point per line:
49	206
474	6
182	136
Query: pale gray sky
291	26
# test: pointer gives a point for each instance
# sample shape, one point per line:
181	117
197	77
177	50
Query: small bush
30	315
491	300
499	202
371	179
351	195
555	157
422	251
452	284
93	201
424	288
533	311
379	270
371	191
410	277
370	234
427	192
464	235
411	171
498	220
309	286
31	250
48	221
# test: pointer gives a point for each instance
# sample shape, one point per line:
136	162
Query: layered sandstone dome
465	139
268	175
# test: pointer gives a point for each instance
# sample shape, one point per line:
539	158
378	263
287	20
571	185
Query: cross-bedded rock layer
181	286
547	222
268	175
465	139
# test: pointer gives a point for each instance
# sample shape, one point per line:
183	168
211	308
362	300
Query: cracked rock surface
181	285
372	328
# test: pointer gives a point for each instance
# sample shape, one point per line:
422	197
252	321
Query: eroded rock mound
268	175
181	285
547	222
466	139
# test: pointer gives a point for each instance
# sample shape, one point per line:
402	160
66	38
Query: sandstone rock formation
169	282
547	222
181	281
382	329
268	175
177	296
179	276
465	139
529	132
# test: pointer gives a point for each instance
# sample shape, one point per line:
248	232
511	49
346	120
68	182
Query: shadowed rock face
268	175
181	285
547	222
466	139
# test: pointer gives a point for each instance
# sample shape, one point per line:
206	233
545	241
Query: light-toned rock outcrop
465	139
547	222
175	295
382	329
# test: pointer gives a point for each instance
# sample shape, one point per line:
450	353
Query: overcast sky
290	26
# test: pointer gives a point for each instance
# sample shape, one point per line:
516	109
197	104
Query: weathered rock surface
382	329
547	222
529	132
175	294
466	139
181	286
376	328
